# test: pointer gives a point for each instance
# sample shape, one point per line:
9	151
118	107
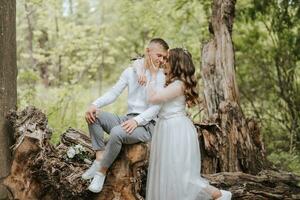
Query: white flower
79	148
71	152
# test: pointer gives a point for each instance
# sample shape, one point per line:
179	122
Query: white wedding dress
174	168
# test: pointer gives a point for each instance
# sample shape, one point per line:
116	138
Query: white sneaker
90	173
226	195
97	183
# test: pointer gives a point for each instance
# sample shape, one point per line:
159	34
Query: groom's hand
129	125
90	115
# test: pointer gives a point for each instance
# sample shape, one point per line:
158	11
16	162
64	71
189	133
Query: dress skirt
175	162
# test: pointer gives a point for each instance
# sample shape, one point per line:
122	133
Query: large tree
8	89
234	141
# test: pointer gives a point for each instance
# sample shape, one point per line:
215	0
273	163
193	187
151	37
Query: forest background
69	52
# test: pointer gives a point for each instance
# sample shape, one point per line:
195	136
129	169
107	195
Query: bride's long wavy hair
182	68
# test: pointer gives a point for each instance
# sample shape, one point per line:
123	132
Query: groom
136	125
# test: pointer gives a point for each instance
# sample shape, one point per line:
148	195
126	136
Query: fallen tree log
41	170
266	185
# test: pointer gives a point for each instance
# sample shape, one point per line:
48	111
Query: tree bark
8	89
267	185
218	71
234	141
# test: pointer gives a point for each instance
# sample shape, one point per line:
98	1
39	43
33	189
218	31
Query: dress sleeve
157	96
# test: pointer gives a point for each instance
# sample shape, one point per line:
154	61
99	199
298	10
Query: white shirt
137	94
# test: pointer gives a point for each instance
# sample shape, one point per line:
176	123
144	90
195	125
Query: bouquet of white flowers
77	152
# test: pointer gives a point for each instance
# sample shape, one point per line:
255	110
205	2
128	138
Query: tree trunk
8	89
47	172
71	7
59	60
233	140
43	65
30	34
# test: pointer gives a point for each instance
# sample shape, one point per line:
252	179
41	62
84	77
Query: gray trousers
111	124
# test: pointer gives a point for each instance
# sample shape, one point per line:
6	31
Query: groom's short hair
160	41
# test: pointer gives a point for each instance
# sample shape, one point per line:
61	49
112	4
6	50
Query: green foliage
286	161
26	86
65	106
267	39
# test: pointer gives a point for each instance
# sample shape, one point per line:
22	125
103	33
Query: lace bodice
171	98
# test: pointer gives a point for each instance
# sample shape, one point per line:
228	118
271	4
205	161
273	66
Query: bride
174	168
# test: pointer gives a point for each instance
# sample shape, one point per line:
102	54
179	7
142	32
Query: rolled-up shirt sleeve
153	109
110	96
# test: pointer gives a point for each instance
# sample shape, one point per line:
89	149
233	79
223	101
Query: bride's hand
141	75
142	79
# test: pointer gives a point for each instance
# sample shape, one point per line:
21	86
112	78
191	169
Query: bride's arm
157	96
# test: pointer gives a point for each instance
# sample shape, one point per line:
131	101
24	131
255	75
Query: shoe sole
94	191
87	177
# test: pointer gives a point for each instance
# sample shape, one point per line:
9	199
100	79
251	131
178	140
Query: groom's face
158	54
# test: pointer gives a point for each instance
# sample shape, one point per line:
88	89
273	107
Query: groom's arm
107	98
110	96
